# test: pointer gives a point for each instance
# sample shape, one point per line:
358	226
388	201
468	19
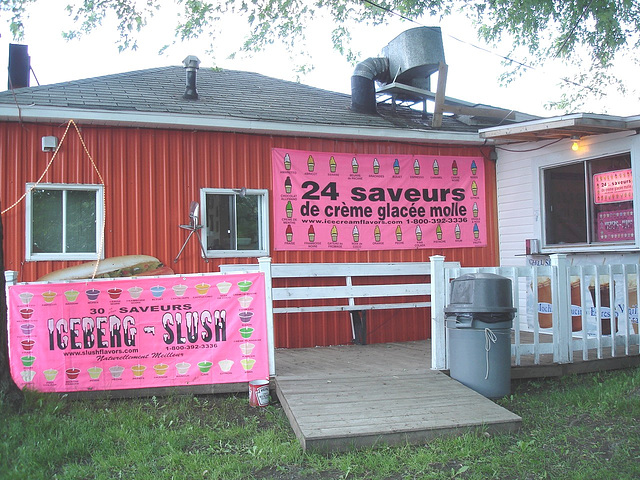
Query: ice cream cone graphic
312	233
416	167
418	233
475	210
454	168
355	234
289	233
332	164
398	233
439	232
287	184
289	209
436	167
476	231
376	166
474	188
474	167
311	164
334	234
287	162
354	165
457	231
396	166
376	233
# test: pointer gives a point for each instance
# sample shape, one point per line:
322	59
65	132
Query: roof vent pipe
363	90
191	65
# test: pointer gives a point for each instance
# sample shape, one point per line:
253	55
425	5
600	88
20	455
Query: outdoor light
574	145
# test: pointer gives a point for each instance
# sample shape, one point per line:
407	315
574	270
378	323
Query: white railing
562	310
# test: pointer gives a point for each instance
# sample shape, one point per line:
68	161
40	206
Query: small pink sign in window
613	187
615	226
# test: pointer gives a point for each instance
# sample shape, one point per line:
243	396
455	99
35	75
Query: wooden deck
344	397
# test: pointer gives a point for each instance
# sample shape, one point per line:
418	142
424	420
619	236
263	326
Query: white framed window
589	203
63	221
235	222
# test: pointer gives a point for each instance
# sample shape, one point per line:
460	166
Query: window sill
623	247
236	253
63	257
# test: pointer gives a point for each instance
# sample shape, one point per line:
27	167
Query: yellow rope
43	173
95	167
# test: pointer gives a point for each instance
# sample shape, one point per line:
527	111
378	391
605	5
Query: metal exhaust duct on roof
191	65
363	90
410	58
19	66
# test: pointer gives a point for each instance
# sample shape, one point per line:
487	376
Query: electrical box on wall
49	144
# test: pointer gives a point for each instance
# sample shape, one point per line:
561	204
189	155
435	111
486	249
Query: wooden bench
410	287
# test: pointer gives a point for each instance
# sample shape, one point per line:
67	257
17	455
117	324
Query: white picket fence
550	300
569	305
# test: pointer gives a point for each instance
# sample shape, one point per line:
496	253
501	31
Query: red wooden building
149	144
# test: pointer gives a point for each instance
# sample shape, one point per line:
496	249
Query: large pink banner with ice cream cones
338	201
138	332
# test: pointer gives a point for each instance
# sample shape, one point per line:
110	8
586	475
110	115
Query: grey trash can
479	319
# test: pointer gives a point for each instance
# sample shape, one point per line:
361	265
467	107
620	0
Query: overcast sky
473	73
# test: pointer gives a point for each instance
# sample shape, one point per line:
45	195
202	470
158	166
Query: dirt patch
295	472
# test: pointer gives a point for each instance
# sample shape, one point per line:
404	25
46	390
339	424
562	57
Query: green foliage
132	16
16	10
587	34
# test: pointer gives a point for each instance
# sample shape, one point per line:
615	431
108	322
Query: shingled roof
228	99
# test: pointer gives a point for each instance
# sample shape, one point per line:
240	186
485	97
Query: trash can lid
480	293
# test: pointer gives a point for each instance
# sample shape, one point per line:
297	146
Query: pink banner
138	332
338	201
613	187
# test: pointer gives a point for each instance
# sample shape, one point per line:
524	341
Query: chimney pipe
363	90
19	66
191	65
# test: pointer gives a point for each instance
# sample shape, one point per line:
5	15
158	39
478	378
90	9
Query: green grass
577	427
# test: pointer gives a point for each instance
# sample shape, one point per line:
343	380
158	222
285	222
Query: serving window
63	221
589	202
235	222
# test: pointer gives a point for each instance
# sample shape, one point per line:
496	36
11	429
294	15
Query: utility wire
573	28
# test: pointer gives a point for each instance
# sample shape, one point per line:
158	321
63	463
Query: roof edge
604	122
38	114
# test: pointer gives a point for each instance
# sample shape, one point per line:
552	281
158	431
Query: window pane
81	221
218	222
46	221
247	210
565	204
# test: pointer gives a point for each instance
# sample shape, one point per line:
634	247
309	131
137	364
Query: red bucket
259	393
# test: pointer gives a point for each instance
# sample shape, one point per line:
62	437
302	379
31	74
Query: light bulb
574	145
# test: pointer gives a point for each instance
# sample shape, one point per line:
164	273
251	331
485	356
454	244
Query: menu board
138	332
613	187
340	201
616	225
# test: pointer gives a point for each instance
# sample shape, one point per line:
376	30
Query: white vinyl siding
518	176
